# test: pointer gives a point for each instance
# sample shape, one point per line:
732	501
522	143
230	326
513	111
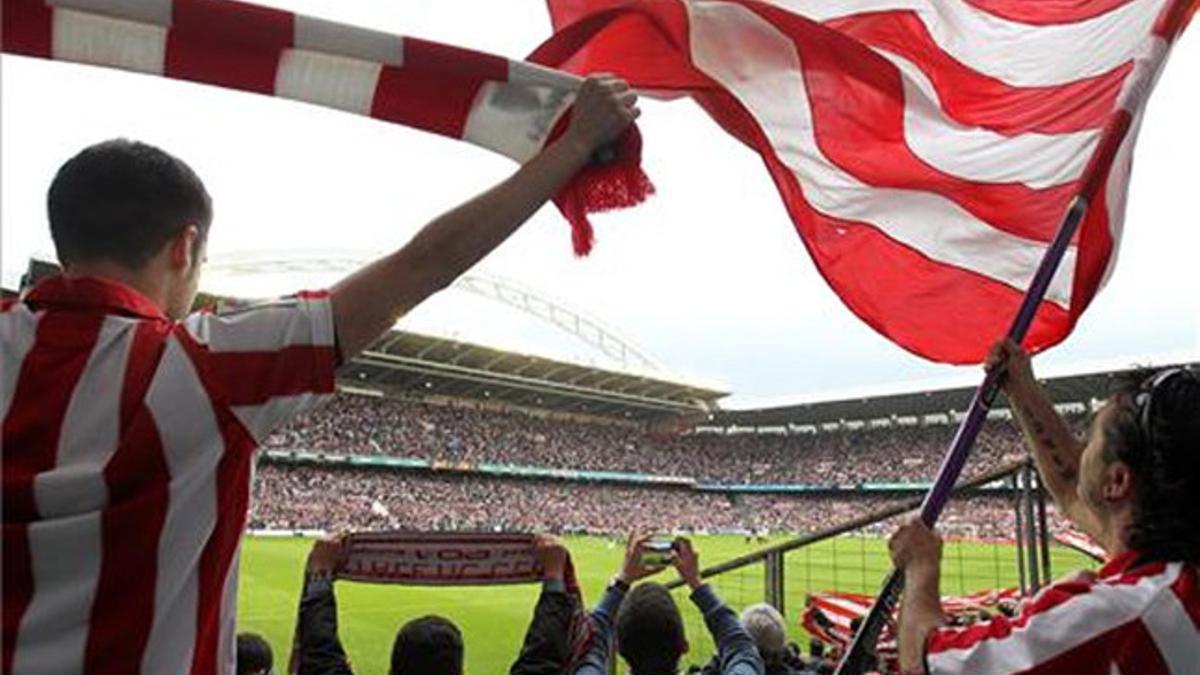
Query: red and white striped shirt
1131	619
128	442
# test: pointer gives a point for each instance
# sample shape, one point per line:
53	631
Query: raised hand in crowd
548	641
916	551
1055	447
687	561
634	566
552	557
326	558
318	649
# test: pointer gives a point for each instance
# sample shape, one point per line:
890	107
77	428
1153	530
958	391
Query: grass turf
493	619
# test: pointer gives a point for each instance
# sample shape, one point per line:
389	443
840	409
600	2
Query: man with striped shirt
1134	486
129	427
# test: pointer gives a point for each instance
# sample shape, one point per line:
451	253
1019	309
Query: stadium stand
433	434
466	433
326	498
499	465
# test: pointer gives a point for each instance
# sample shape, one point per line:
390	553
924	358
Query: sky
708	277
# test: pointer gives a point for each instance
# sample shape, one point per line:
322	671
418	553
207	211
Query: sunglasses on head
1144	400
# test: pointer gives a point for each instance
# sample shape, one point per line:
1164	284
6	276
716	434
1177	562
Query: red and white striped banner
510	107
829	616
927	150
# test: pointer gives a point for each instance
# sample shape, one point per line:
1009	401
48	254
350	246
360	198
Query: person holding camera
648	625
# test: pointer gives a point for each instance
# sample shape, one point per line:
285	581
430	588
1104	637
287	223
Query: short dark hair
430	645
1155	430
650	631
122	201
253	654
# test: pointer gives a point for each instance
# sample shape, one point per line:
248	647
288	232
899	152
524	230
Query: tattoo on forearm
1040	434
1064	470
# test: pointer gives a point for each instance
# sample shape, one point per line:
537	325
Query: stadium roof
410	363
1080	388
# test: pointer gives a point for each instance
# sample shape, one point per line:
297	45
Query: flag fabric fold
510	107
926	150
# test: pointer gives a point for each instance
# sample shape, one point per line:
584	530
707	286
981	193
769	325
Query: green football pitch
493	619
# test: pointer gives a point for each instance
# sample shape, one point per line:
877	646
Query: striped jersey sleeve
1144	621
270	361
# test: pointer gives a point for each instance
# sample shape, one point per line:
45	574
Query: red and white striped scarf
455	559
510	107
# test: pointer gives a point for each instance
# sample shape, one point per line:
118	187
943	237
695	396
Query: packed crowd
364	425
976	517
333	499
290	497
130	224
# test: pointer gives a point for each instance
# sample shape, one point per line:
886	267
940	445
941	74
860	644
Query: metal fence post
1031	538
773	588
1043	529
1020	533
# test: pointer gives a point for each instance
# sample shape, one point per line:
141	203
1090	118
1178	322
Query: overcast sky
709	276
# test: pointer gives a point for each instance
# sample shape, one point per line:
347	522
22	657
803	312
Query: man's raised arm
1055	448
370	301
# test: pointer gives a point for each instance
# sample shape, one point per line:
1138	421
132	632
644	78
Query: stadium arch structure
639	390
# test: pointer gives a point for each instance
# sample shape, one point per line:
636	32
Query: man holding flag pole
1132	486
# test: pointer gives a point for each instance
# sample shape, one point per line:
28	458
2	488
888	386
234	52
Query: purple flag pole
860	655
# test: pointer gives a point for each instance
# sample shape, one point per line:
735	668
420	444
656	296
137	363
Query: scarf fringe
617	183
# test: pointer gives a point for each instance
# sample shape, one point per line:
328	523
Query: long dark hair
1156	432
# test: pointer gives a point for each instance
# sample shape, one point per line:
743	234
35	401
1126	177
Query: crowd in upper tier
364	425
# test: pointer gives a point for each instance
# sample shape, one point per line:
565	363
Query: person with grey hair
768	629
765	624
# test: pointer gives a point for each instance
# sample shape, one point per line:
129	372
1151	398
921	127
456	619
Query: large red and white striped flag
926	150
829	616
510	107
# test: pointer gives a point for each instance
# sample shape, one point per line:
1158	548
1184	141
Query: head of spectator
816	648
650	633
765	624
1140	471
130	212
254	656
429	645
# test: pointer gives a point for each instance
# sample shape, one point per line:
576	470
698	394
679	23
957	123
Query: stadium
365	380
787	504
